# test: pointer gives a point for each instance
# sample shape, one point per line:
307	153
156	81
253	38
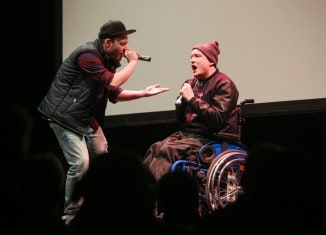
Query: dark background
33	50
32	42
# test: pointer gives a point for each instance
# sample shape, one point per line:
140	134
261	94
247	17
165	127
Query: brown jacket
213	111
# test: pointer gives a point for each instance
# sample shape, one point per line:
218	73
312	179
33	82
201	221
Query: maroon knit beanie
210	50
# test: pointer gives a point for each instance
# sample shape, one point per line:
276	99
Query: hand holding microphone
140	57
186	93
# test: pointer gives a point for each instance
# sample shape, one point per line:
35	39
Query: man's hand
154	90
186	92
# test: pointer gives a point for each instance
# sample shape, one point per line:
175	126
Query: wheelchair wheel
223	178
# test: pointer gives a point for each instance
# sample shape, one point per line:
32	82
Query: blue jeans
78	150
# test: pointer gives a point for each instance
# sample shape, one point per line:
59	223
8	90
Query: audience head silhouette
118	195
178	194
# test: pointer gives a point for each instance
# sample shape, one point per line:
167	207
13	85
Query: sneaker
67	218
160	216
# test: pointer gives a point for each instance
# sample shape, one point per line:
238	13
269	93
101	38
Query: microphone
178	101
144	58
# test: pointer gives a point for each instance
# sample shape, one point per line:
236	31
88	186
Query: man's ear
107	41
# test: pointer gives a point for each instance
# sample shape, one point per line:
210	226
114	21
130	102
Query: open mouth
194	67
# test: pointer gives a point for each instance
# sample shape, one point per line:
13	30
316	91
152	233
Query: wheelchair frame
219	167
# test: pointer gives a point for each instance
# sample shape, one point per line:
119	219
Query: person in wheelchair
206	109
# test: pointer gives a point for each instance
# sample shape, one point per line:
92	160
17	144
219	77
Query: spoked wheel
223	178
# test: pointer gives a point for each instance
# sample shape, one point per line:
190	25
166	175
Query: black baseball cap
113	28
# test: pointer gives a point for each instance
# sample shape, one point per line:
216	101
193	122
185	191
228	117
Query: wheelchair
218	167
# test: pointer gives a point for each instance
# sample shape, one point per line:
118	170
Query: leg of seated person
162	154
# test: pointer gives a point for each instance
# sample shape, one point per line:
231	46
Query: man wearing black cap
76	101
205	109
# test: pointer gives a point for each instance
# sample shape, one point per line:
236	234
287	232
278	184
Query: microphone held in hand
144	58
179	100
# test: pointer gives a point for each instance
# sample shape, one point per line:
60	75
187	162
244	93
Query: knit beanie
210	50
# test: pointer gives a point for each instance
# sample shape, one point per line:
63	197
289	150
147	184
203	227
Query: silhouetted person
118	195
17	128
40	197
178	194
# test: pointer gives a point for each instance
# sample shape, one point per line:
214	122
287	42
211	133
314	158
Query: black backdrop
32	44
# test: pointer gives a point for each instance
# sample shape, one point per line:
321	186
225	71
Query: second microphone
144	58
